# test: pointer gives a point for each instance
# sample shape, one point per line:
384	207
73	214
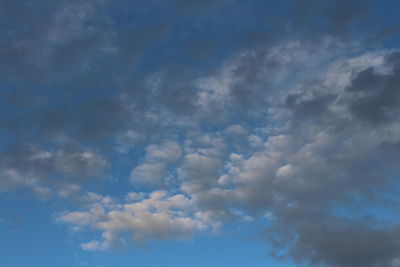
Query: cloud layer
295	124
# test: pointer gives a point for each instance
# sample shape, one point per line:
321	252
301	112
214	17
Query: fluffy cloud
154	169
155	216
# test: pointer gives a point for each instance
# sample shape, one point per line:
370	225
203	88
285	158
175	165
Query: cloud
11	179
35	168
40	41
158	158
156	216
300	123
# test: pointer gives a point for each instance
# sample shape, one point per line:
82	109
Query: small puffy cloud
11	179
169	151
198	172
255	141
236	130
91	246
69	190
92	216
134	196
79	163
154	169
153	173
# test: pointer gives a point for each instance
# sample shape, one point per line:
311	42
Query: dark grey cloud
328	213
343	243
381	94
313	107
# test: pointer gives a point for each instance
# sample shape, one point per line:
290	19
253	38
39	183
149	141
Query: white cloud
156	216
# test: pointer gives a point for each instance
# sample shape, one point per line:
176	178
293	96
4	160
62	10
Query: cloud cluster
140	218
296	129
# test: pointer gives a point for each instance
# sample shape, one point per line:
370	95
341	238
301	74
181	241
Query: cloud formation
154	216
324	168
297	126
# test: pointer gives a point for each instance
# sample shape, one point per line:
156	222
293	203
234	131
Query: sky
199	133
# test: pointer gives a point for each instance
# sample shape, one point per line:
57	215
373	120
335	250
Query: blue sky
199	132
